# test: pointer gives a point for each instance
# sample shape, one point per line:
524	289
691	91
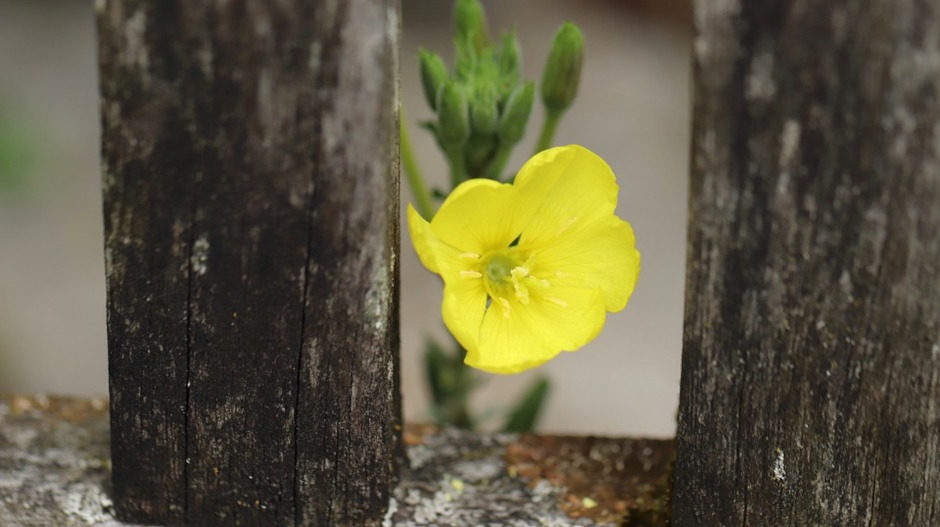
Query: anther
507	307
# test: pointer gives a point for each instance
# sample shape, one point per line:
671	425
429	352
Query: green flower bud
563	69
510	63
452	115
470	26
516	113
433	75
484	113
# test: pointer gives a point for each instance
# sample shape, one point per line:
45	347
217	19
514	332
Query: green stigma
498	269
506	275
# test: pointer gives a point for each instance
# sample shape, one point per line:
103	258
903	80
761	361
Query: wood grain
251	208
811	362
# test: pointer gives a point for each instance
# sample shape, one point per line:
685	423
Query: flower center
497	269
506	275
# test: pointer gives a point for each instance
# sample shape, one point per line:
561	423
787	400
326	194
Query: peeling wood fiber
250	180
811	362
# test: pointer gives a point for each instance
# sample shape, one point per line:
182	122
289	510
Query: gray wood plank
251	216
811	362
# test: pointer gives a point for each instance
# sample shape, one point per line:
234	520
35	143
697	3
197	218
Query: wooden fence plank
347	434
251	205
811	365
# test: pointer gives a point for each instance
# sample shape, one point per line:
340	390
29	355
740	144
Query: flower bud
452	115
563	68
470	25
510	63
484	113
433	75
516	113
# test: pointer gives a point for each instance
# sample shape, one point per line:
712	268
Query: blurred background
632	109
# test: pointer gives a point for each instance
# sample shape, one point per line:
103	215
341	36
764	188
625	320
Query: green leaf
525	416
438	194
436	368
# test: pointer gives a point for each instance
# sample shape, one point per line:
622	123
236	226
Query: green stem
458	169
462	416
548	130
415	181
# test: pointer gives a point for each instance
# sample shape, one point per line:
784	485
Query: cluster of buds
483	106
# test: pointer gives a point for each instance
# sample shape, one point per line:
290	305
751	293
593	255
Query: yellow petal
462	310
533	333
436	255
570	317
464	295
600	256
426	244
478	216
561	190
509	344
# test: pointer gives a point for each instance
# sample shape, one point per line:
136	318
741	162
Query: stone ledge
55	470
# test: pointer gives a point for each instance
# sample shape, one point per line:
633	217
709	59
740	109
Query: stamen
561	274
557	301
519	274
507	307
469	275
468	256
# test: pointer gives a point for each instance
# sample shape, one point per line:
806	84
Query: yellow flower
530	269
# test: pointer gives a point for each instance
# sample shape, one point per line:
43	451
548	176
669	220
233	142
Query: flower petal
462	310
601	256
533	333
478	216
423	239
436	255
464	298
509	344
563	189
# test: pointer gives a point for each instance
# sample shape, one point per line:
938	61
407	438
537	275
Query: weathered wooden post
251	204
811	370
